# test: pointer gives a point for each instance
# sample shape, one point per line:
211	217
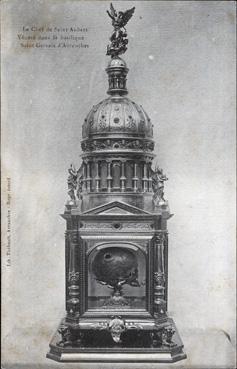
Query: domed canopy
117	114
117	147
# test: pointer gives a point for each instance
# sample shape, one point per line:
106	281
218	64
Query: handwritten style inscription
53	37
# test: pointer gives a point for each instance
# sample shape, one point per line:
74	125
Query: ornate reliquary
116	234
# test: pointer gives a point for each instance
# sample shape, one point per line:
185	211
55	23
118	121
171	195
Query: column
97	177
88	178
84	177
73	277
144	179
110	82
149	178
135	178
109	177
123	178
159	277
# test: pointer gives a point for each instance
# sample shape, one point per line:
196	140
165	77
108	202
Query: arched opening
116	277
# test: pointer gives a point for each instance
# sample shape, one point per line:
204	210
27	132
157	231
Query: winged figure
118	39
158	179
75	182
72	182
80	182
120	19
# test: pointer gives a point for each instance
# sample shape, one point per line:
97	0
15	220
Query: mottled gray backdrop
181	58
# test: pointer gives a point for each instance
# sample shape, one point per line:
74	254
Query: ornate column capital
73	237
159	237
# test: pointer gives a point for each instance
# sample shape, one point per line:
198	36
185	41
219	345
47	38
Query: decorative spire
118	39
117	73
117	69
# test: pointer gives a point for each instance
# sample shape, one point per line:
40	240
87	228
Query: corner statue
158	178
118	39
72	182
75	182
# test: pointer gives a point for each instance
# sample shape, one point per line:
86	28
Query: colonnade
101	176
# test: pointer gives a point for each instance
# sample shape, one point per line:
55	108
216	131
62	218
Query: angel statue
158	178
80	182
72	182
118	39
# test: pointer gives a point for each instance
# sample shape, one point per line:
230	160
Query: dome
117	115
117	62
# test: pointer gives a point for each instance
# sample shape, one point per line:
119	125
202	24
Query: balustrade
116	176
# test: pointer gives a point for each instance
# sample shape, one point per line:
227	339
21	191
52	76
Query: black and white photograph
118	184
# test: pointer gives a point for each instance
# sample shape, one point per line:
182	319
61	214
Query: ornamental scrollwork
166	336
97	145
159	278
73	277
69	336
163	336
116	327
159	238
160	303
161	307
73	237
131	124
138	226
97	225
66	336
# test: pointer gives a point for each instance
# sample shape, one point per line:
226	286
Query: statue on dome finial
118	39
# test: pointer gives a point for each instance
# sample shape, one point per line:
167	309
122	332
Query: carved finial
118	39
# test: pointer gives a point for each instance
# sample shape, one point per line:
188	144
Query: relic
116	234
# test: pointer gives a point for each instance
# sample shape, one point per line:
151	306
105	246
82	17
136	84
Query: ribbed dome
117	114
117	62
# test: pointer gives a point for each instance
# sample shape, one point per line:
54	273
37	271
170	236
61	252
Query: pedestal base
139	348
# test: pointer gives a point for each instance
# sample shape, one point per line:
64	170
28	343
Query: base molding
121	357
118	352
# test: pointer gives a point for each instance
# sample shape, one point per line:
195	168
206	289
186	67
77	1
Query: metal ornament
118	39
116	327
116	241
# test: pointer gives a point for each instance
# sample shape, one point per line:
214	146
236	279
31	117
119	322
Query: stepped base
137	346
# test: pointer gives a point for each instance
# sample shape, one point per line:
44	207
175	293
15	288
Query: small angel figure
118	39
158	178
80	182
72	182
